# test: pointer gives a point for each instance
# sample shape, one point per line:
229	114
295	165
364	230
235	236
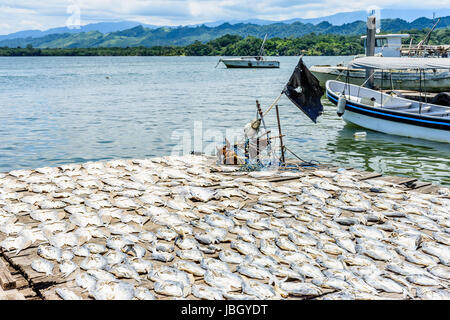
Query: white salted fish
134	250
285	244
106	290
441	252
144	294
230	256
166	234
207	292
42	266
47	215
346	244
117	242
307	270
67	294
405	269
101	275
244	248
193	255
218	220
190	267
95	261
260	290
384	284
440	271
67	268
81	251
423	280
16	243
96	248
165	273
141	266
331	283
162	256
164	247
417	257
214	264
432	294
224	280
254	272
125	271
171	288
186	243
297	289
49	252
407	240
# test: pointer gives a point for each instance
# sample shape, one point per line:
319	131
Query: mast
261	51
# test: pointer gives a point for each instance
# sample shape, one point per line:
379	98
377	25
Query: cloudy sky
16	15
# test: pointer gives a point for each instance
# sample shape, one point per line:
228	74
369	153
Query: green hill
183	36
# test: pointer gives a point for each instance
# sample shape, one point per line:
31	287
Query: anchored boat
251	61
386	113
390	45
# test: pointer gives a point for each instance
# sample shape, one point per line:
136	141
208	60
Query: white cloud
53	13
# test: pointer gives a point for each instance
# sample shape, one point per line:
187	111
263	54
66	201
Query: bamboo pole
281	135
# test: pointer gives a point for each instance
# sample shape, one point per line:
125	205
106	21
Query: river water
58	110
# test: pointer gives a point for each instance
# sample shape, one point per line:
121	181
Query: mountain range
135	34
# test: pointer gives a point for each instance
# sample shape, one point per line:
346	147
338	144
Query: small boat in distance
251	61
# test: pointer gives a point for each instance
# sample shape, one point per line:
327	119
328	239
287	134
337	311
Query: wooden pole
281	135
370	49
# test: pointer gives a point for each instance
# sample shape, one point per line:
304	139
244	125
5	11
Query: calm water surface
60	110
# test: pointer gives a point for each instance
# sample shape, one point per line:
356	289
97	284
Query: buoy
360	134
341	105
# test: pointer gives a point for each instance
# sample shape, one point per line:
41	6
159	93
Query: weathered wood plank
7	281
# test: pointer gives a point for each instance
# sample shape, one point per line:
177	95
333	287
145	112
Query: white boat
385	113
251	61
388	45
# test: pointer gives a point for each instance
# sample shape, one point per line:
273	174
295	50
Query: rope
273	104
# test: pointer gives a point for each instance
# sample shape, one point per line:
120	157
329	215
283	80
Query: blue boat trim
390	115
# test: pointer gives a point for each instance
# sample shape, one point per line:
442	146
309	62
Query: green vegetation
184	36
234	45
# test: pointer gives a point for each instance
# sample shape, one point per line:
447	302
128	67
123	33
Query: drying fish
171	288
144	294
114	257
254	272
439	251
433	294
229	256
106	290
102	275
244	248
224	280
49	252
67	294
346	244
47	215
190	267
207	292
214	264
125	271
301	289
186	243
95	261
307	270
81	251
141	266
440	271
417	257
67	267
162	256
331	283
422	280
384	284
220	221
16	243
42	266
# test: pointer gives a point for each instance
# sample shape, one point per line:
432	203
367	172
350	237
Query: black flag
304	90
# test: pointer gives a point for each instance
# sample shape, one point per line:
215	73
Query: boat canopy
387	63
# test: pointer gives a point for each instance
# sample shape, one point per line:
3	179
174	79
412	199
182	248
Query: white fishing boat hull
250	63
432	81
381	112
395	128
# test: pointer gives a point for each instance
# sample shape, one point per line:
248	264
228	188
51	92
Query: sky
17	15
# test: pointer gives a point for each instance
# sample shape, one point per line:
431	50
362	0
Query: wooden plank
7	281
371	176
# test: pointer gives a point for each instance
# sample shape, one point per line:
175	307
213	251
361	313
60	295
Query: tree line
235	45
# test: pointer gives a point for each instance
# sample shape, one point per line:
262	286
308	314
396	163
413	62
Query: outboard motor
341	105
